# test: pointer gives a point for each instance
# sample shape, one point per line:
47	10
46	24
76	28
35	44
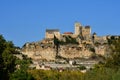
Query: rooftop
87	26
67	33
52	30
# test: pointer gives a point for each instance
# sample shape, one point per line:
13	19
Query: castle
79	44
84	32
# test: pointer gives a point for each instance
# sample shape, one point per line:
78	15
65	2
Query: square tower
77	28
86	32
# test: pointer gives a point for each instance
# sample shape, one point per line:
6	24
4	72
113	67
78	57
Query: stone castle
85	32
79	44
82	33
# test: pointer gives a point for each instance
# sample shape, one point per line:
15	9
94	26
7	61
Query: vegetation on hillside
11	67
68	40
56	75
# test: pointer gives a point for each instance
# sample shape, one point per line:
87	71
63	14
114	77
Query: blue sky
24	21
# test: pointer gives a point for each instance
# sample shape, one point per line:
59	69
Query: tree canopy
8	62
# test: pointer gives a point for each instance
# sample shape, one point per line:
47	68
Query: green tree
116	76
7	60
21	73
113	61
101	73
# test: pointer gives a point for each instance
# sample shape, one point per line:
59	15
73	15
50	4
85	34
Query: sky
24	21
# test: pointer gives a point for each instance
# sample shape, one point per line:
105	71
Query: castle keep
85	32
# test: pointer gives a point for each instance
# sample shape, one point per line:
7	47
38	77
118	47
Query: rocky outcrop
50	49
39	51
74	51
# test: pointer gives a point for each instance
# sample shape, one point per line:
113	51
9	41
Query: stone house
50	33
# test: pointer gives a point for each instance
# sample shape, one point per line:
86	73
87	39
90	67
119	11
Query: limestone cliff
47	50
39	51
73	51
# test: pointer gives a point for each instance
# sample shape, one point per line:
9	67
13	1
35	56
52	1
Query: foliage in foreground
55	75
21	73
8	62
96	74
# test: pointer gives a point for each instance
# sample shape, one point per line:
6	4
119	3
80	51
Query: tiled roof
68	33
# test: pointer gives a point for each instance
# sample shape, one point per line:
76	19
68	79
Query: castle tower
77	28
86	32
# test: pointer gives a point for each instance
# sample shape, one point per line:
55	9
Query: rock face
74	51
48	51
39	51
